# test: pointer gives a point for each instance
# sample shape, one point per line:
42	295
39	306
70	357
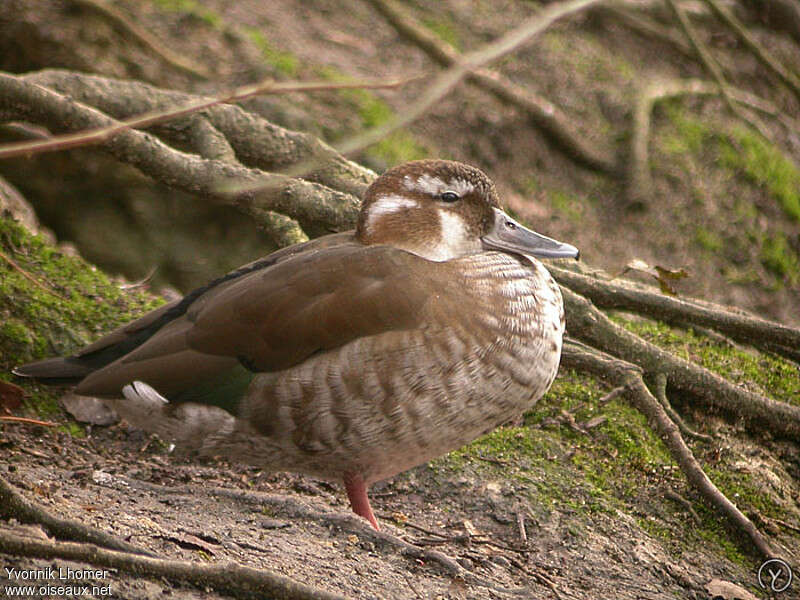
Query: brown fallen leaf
662	275
10	396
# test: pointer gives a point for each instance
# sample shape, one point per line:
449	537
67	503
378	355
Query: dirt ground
575	546
124	483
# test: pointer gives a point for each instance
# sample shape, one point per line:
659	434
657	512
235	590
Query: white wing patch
433	186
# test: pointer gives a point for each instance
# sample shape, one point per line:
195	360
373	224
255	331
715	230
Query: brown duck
354	356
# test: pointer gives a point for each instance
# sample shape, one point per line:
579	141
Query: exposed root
144	37
622	373
762	54
592	326
543	113
14	506
227	577
738	326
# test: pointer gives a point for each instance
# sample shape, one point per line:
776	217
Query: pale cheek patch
454	240
434	186
388	205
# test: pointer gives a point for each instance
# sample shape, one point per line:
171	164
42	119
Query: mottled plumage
355	356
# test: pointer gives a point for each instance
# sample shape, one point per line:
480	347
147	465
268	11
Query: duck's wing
274	318
128	337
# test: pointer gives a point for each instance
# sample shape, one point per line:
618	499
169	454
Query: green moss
690	135
764	164
70	304
709	240
444	29
194	8
284	62
779	258
773	376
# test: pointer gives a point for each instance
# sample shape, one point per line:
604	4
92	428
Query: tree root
14	506
764	57
711	65
543	113
639	178
144	37
311	204
346	521
227	577
622	373
592	326
744	328
255	141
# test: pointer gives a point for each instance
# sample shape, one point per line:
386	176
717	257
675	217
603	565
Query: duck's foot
357	493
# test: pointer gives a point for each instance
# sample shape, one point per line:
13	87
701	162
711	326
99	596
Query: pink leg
357	493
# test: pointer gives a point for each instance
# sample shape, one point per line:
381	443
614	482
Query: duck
355	356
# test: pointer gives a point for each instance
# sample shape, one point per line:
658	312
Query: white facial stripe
454	240
387	205
434	186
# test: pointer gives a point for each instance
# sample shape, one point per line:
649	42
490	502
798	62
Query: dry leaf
10	396
662	275
88	410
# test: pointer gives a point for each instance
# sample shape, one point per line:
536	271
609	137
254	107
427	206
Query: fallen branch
592	326
765	335
543	113
229	578
622	373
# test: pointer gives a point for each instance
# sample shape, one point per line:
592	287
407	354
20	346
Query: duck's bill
508	235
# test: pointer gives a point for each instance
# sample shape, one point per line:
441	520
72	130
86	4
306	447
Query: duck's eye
449	197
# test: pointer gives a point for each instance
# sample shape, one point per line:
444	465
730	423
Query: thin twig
30	277
27	421
102	134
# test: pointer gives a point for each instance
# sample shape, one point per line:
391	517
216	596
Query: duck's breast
487	348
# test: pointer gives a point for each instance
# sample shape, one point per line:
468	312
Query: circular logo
775	575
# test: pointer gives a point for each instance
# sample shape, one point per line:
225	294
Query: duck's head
441	209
